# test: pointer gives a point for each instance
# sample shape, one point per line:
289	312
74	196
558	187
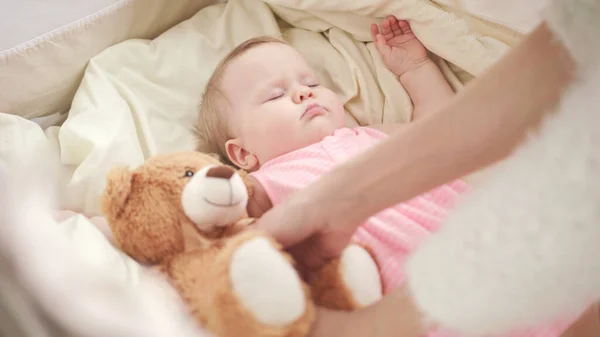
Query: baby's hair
211	130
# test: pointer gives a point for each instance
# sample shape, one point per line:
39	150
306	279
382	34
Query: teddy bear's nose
221	172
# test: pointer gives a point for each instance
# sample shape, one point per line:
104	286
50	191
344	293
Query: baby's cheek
335	105
339	115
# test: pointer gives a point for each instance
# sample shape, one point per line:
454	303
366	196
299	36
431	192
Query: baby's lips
313	110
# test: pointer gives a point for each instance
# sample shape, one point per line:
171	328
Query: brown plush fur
233	320
143	207
328	289
144	211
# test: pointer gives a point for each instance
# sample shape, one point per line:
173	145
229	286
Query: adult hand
395	315
315	224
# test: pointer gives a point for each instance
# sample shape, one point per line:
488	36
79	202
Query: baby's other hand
400	49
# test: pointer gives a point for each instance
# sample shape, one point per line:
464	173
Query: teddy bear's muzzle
215	196
222	172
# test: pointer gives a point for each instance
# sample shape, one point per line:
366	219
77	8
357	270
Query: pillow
139	98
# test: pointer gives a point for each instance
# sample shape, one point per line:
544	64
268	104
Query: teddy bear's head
172	202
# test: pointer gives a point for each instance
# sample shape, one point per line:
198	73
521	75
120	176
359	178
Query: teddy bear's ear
118	187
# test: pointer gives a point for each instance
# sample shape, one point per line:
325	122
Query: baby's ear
116	193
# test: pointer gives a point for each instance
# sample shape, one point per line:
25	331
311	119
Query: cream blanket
139	98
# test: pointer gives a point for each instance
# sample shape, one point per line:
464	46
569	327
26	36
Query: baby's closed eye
275	95
310	81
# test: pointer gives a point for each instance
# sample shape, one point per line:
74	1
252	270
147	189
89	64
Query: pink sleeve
291	172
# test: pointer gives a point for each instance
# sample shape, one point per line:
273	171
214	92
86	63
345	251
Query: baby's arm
407	58
427	88
428	91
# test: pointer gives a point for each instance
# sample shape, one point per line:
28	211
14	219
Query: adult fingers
309	254
286	224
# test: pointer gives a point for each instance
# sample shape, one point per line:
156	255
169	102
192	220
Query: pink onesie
393	233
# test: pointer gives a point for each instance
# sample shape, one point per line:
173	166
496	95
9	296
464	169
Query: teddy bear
184	214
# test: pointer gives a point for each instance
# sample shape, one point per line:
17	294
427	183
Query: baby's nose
220	172
306	94
303	93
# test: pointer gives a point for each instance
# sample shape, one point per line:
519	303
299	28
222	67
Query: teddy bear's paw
360	274
266	283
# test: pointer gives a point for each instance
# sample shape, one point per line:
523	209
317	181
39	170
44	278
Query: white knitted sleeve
525	248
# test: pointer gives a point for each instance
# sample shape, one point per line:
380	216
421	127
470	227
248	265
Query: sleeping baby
265	111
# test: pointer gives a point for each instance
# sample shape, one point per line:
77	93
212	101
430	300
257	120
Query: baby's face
277	103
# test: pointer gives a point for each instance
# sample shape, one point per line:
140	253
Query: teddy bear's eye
189	173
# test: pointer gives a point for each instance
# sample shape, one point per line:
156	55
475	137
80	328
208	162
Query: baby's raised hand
400	49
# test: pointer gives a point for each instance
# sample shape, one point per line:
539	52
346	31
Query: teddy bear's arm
349	282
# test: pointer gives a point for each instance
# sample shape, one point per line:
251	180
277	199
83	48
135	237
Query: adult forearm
481	125
588	324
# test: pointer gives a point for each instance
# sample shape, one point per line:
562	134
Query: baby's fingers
386	27
382	46
404	26
374	32
395	26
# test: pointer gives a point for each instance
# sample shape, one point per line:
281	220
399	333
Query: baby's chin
325	125
294	144
319	132
312	135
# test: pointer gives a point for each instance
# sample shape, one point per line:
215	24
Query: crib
87	85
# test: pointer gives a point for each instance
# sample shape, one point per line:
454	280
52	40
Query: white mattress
28	19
